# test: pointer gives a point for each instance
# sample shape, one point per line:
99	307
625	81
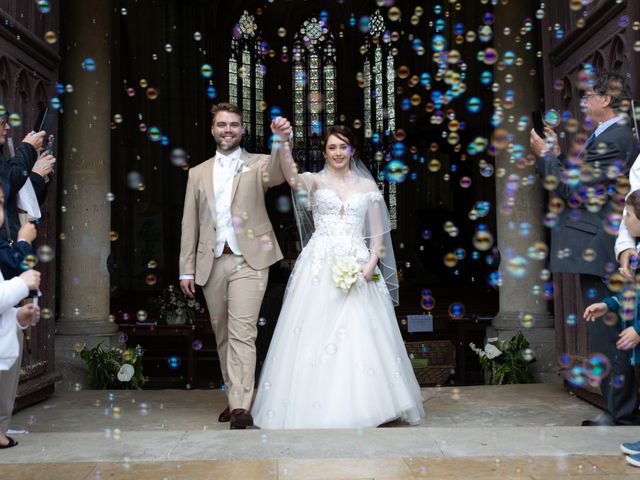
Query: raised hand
628	339
44	164
282	127
27	232
626	269
31	278
28	314
595	310
35	139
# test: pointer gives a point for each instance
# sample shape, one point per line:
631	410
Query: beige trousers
234	293
9	380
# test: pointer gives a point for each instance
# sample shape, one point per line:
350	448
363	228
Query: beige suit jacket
254	232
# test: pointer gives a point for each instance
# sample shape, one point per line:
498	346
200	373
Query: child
11	292
625	303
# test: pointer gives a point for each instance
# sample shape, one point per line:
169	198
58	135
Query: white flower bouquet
344	272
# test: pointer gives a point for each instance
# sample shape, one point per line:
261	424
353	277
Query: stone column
519	195
86	178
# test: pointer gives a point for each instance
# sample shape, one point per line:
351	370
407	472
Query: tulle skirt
336	360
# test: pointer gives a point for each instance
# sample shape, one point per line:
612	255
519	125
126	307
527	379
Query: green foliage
113	368
506	361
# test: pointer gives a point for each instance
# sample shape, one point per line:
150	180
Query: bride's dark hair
343	133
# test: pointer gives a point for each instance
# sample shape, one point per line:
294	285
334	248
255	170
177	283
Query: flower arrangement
114	367
344	272
176	307
506	362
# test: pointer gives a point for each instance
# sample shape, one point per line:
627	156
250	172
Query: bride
337	359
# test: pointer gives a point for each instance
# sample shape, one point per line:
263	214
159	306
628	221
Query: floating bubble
284	204
597	366
134	180
396	171
45	253
456	310
151	279
526	320
141	315
43	6
89	65
154	134
15	120
517	266
50	37
196	345
206	70
428	303
179	157
174	362
152	93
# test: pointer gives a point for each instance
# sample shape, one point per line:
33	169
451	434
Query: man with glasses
588	182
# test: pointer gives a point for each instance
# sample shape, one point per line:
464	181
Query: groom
227	247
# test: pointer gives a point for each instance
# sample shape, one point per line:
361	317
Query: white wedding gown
336	360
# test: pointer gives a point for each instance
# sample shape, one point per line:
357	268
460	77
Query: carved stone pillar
86	178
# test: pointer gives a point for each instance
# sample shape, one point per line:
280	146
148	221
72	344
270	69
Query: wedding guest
12	320
584	183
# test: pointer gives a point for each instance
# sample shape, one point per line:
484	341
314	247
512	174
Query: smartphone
538	124
44	122
51	145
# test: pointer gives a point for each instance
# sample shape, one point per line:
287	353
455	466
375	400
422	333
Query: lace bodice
335	217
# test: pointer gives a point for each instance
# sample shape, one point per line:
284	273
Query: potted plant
114	367
506	362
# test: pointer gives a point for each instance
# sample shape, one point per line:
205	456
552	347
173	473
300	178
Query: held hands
595	310
31	278
28	315
27	232
628	340
35	139
188	287
625	263
280	126
44	164
541	146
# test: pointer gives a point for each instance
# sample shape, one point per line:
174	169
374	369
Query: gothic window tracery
314	90
379	106
246	79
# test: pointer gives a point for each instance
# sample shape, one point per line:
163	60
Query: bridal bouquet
344	272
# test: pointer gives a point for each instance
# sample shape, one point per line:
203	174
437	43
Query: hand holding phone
538	123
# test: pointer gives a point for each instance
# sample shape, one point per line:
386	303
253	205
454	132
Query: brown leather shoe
240	419
225	416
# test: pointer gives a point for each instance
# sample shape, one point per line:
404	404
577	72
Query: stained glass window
246	79
378	71
314	87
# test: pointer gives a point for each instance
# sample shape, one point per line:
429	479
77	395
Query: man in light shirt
227	246
589	183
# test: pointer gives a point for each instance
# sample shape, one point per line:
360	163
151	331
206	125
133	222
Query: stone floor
520	431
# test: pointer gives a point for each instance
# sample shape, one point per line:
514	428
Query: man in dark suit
591	183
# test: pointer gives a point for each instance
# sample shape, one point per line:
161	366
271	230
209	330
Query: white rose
126	372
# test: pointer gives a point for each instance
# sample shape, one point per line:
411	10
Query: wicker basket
440	357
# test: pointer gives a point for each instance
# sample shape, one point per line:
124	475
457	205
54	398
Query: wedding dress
336	360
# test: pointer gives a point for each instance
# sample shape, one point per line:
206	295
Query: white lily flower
126	372
491	351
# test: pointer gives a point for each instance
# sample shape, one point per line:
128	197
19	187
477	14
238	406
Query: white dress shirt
225	169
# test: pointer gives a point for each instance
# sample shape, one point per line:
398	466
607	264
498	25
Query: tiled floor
497	432
531	468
